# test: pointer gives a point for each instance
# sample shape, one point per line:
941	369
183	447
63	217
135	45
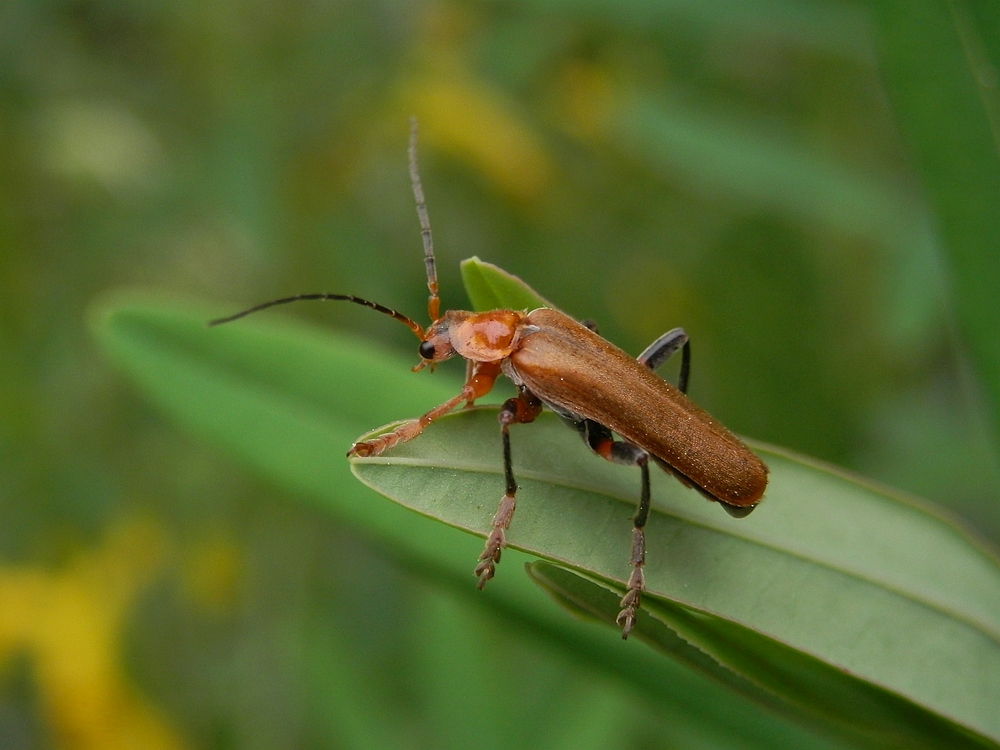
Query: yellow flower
70	622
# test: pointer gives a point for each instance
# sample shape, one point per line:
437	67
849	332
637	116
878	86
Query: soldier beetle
557	362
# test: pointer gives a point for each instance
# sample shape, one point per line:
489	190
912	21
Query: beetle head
436	344
479	337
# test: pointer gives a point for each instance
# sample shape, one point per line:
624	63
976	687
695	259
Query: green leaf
848	601
287	401
491	288
876	716
834	595
939	61
852	602
720	152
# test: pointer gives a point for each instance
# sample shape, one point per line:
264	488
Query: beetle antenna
433	302
415	327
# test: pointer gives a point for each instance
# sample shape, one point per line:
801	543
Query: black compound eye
427	350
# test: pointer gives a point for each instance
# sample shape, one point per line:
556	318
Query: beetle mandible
555	361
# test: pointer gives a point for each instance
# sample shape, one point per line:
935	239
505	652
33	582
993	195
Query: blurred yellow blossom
465	115
70	623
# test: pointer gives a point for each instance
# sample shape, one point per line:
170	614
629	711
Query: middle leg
522	408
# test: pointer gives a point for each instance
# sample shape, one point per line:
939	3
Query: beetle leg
522	408
478	384
602	442
661	350
636	581
470	369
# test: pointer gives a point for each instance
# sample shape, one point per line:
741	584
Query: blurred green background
736	169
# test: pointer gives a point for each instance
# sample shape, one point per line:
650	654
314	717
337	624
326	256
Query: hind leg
602	442
663	348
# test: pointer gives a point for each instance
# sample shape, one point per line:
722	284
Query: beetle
558	362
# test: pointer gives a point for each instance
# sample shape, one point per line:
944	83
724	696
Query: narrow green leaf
287	401
837	595
831	584
873	715
722	152
939	61
491	288
589	598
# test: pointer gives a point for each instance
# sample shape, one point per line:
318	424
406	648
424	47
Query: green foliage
948	107
779	599
853	604
756	595
271	394
807	186
492	288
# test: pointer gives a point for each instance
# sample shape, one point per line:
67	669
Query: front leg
522	408
479	382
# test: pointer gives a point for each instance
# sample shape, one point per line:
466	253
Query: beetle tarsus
497	539
626	618
486	569
379	445
636	582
